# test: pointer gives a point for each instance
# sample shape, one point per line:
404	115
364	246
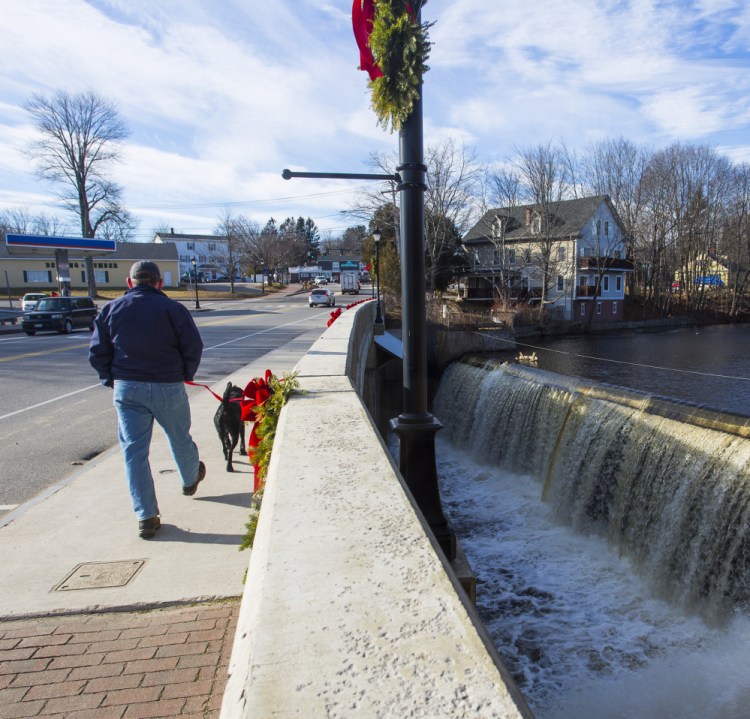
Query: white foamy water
581	632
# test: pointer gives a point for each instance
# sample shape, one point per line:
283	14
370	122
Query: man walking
146	346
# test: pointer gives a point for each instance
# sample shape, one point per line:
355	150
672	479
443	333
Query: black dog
229	424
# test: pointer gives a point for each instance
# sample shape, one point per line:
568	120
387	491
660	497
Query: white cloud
222	96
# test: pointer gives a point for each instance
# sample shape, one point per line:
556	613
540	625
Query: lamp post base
416	460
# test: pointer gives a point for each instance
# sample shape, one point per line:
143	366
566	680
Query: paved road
54	415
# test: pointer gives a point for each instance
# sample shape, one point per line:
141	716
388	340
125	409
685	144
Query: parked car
321	280
62	314
321	296
29	300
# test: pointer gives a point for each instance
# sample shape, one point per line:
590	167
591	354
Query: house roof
144	251
567	219
180	237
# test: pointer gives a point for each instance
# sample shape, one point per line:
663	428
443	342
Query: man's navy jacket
144	336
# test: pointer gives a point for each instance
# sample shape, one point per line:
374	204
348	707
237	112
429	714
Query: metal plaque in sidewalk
100	575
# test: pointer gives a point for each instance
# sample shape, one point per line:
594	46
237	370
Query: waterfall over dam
666	483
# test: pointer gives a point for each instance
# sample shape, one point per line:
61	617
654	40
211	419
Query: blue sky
222	95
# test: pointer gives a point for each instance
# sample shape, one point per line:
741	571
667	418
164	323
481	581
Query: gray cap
145	270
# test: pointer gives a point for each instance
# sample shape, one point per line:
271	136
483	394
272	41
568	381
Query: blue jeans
138	404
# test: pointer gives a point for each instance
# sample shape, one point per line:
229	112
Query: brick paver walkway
125	665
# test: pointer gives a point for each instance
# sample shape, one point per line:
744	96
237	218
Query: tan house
708	270
570	255
25	270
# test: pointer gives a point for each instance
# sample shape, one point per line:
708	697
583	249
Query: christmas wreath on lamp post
393	49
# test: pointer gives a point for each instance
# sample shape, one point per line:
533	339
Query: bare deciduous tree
229	253
616	167
544	179
736	236
79	141
451	200
18	220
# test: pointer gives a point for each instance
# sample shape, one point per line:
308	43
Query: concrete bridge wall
350	609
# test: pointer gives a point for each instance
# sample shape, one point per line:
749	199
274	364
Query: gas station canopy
44	245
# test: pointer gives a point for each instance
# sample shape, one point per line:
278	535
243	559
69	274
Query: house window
101	276
527	255
583	281
560	283
191	245
598	308
561	253
496	257
606	229
32	276
598	228
605	283
614	308
511	257
536	225
211	246
618	283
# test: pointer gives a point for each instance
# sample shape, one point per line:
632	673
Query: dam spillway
667	483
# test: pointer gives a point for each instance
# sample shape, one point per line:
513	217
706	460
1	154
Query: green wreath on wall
400	47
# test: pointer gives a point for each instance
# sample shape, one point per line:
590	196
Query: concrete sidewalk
96	622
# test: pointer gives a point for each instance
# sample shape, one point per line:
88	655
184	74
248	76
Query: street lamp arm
288	175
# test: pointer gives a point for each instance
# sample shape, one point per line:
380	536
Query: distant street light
376	236
195	277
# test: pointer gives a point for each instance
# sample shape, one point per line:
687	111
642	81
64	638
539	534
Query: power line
242	203
58	204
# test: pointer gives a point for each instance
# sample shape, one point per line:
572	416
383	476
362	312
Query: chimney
171	229
528	216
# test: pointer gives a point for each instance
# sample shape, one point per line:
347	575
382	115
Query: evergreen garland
400	48
267	421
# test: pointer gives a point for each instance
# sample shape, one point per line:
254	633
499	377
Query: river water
583	627
706	365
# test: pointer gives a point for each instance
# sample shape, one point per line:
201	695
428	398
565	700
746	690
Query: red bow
363	12
256	392
334	316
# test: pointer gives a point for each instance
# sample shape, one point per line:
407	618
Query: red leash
198	384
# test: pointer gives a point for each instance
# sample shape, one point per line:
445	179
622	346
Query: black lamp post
195	278
376	236
262	277
415	426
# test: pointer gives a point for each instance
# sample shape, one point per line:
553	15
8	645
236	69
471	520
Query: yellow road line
42	353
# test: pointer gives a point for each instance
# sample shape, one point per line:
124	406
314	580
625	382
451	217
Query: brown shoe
147	528
190	491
